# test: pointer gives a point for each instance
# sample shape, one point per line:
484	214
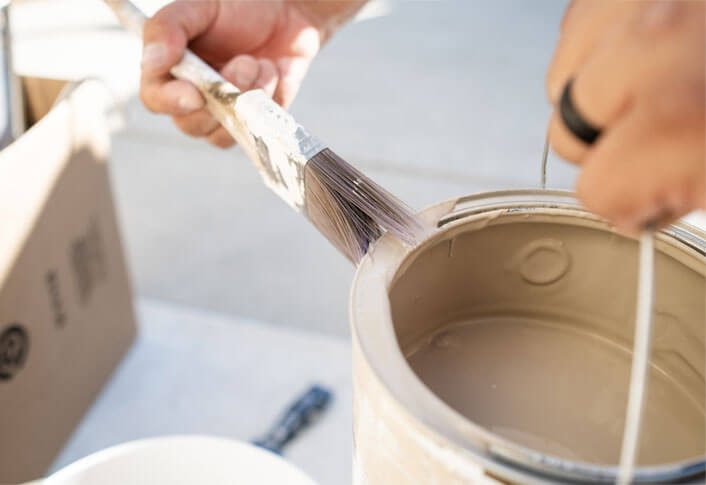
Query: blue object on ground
298	416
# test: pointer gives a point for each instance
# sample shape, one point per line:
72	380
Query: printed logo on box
14	345
88	261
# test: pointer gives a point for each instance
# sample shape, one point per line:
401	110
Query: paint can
499	350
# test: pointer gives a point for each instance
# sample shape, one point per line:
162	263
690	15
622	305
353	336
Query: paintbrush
348	208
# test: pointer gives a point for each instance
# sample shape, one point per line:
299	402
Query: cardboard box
66	313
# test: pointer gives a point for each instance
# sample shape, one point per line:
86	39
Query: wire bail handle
639	374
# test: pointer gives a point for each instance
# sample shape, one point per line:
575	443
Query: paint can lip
369	302
532	199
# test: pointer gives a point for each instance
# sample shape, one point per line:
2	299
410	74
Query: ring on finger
573	120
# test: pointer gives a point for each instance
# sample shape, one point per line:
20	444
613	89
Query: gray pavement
434	100
198	372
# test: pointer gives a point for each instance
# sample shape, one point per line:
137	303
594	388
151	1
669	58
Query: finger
172	97
165	37
242	71
221	138
646	49
641	171
268	78
651	46
199	123
584	26
292	71
167	33
246	72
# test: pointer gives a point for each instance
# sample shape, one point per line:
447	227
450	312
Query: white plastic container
181	460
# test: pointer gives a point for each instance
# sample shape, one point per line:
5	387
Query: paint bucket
499	350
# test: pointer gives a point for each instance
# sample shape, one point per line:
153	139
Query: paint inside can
519	320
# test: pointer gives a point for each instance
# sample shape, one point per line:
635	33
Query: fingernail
154	56
660	14
244	71
645	216
189	103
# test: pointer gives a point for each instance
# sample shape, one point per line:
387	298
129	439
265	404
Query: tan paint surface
555	390
394	448
524	326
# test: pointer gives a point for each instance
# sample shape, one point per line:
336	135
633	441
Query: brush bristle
351	210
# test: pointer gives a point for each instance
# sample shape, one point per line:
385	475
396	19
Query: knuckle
267	65
163	28
657	18
679	99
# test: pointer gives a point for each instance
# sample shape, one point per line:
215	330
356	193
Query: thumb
167	33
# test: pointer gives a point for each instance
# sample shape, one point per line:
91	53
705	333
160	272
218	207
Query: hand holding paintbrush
347	207
266	45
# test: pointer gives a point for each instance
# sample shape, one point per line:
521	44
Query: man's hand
267	45
639	75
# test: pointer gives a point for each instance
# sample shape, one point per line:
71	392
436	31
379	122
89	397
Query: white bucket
181	460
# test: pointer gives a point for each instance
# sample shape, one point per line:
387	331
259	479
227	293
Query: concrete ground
433	100
200	373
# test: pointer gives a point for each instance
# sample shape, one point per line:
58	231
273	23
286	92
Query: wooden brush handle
191	68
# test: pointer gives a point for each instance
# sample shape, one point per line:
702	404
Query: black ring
579	127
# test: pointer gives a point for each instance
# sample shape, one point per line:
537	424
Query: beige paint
520	322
